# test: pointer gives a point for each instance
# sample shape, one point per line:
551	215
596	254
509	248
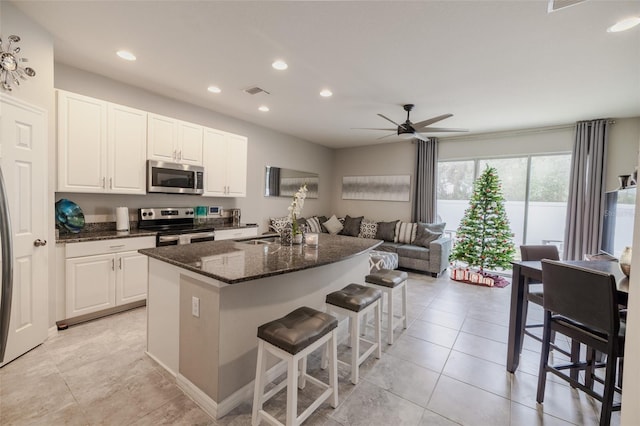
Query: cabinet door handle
180	155
113	264
110	183
104	182
118	246
174	156
120	263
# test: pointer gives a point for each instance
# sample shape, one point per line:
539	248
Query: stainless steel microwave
174	178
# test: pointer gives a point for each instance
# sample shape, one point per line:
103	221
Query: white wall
630	408
266	147
623	150
36	45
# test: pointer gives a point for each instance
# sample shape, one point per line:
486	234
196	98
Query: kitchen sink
259	241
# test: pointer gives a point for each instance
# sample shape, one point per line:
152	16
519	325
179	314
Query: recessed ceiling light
326	93
625	24
214	89
126	55
280	65
263	108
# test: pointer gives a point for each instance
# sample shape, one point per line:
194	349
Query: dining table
532	270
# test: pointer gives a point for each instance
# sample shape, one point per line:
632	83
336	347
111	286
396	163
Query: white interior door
23	151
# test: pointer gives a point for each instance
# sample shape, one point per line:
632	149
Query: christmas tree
484	238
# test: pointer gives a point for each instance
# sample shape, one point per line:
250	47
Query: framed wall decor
377	188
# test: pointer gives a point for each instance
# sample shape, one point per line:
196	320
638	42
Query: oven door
174	178
180	239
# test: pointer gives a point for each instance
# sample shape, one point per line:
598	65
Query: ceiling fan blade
425	123
388	119
440	129
386	136
372	128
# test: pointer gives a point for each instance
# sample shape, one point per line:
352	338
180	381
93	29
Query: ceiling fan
414	130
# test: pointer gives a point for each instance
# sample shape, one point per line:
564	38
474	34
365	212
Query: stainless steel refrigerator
6	258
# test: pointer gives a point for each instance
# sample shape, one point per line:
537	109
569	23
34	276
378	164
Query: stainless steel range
175	225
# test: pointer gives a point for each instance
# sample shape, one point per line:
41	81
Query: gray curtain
424	199
585	209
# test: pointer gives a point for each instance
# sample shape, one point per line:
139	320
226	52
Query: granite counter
234	262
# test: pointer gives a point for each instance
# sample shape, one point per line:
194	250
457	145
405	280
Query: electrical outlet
195	307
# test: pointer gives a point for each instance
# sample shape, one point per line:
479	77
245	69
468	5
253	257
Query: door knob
40	243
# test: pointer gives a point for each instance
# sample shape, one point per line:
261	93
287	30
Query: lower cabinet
104	274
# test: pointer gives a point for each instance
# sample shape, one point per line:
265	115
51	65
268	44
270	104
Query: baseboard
202	399
161	364
221	409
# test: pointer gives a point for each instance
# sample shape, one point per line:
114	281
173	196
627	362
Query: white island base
213	354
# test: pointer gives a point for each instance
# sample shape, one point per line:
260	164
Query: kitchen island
206	300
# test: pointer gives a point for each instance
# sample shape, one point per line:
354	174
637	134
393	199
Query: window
535	188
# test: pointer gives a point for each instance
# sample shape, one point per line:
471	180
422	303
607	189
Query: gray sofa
434	259
417	249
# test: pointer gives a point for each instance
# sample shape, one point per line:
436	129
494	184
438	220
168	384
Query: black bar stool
292	338
355	302
390	281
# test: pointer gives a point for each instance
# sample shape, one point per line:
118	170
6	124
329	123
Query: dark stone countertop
93	233
234	262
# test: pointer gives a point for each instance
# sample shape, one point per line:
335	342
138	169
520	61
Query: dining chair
582	304
533	289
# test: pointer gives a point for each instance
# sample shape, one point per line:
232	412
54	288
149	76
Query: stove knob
150	213
144	214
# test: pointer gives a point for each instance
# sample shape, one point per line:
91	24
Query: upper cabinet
101	146
104	147
225	164
174	140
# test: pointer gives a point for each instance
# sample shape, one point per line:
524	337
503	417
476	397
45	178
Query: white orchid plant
296	208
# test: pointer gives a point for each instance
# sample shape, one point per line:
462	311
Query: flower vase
297	238
286	236
625	261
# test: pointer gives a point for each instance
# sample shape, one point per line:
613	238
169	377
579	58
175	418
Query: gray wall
36	45
266	147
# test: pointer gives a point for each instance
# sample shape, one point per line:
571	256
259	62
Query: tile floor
447	368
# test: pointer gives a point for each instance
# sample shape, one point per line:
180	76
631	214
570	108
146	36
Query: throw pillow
368	229
351	226
406	233
314	224
277	224
386	230
322	219
333	225
434	227
424	236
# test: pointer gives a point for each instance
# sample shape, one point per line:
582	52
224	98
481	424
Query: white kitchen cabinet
236	233
105	274
225	164
101	146
174	141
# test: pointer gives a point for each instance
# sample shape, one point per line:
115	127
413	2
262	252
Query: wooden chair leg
609	390
544	357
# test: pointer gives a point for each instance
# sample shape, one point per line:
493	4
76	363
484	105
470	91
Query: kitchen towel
122	218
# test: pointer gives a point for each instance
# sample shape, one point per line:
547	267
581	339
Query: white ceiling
495	65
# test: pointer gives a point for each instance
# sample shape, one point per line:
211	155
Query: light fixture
625	24
10	69
126	55
280	65
214	89
263	108
326	93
